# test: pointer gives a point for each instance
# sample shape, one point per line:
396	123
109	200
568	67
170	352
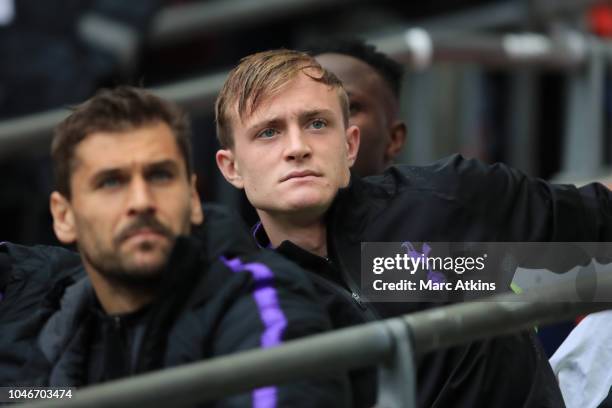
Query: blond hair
264	74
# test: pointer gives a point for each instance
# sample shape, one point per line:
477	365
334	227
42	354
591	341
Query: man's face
293	153
131	197
372	109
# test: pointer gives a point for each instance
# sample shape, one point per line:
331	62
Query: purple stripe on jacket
271	315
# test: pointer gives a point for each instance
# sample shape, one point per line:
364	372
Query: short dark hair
115	110
390	70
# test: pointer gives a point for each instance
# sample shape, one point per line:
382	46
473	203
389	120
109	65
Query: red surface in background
600	20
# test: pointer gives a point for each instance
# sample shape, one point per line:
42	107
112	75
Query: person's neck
310	235
118	299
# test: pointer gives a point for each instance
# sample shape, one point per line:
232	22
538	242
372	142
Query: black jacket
30	277
219	296
454	200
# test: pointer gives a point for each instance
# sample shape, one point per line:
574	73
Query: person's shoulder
229	246
449	168
401	178
265	267
39	262
234	265
31	275
453	176
242	293
223	232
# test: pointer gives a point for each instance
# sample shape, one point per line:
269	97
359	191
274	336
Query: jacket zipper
356	297
343	293
117	323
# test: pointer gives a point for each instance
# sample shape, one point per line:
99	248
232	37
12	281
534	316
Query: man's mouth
145	233
143	229
300	174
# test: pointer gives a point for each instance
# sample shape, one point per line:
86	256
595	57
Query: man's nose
140	198
297	145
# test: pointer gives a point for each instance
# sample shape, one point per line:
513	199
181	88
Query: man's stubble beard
118	272
118	269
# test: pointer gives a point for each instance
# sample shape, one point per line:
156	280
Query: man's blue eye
267	133
160	175
318	124
111	182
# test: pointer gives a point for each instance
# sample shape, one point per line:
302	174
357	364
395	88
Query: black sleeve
277	305
514	207
524	208
35	275
597	201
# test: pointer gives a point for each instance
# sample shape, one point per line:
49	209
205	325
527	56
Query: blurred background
520	81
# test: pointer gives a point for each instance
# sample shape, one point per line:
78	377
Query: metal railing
32	133
388	343
177	23
508	14
418	48
415	46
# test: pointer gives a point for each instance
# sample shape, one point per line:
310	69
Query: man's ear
352	143
397	131
63	218
229	168
197	215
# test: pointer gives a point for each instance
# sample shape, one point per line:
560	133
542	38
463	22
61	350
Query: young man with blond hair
282	121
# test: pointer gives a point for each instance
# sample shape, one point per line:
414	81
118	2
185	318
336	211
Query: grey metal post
520	142
396	375
420	145
583	145
471	95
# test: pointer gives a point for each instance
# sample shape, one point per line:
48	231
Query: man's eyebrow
119	171
106	173
316	112
162	164
276	120
269	122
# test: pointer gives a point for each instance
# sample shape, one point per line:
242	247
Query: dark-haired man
283	122
153	295
373	84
